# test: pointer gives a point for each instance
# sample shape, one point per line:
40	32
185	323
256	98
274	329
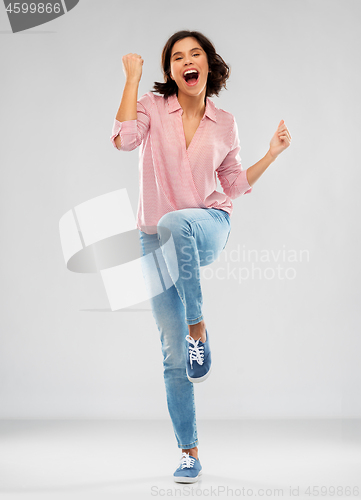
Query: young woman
185	141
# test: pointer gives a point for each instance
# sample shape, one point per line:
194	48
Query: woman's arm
279	142
254	172
132	66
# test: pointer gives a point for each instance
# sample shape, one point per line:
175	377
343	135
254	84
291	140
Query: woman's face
189	66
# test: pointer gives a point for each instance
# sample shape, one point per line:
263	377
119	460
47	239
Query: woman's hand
280	141
132	67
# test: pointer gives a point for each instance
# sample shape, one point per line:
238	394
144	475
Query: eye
196	54
178	58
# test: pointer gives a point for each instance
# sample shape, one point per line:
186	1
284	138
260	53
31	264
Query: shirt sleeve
133	132
230	174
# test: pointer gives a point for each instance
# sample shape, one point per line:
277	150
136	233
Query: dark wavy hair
219	70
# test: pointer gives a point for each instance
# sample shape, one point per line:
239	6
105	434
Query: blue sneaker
198	359
189	469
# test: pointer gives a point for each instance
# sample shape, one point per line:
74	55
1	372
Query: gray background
281	348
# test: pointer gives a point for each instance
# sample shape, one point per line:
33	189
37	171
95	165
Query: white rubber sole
179	479
200	379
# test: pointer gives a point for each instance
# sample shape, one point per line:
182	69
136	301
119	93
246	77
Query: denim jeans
188	239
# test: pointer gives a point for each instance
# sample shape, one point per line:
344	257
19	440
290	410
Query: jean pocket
229	232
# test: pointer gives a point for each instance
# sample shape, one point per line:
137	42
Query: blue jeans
188	239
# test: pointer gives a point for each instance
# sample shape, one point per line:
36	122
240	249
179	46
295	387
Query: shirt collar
210	112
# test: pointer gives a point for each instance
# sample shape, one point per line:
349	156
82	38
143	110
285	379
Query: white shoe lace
186	461
196	352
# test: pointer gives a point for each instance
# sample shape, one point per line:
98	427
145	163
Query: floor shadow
26	32
118	311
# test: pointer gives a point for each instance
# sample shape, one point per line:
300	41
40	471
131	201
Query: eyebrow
195	48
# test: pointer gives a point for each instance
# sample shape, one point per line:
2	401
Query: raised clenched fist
132	66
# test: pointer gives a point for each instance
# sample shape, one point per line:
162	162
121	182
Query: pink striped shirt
172	177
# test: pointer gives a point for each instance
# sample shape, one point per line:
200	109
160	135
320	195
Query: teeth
190	71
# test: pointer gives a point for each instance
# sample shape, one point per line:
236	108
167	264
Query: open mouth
191	77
